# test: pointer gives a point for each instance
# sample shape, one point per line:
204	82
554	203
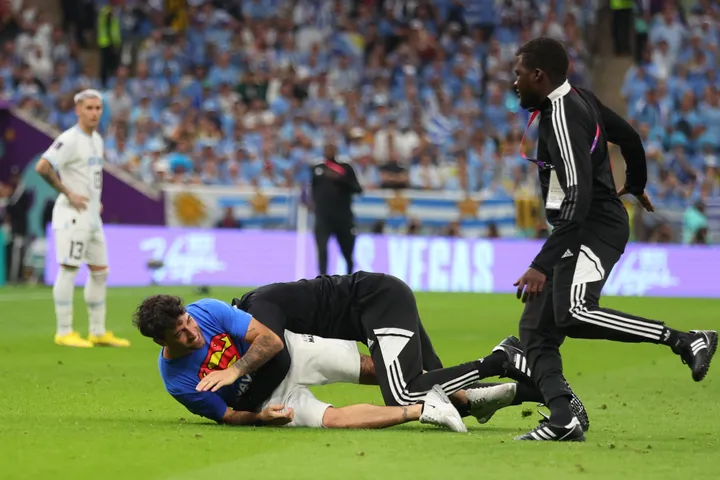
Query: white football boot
484	402
439	411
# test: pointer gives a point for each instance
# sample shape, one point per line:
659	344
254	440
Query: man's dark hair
548	55
157	314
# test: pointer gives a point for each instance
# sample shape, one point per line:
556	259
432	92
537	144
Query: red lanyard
335	167
540	163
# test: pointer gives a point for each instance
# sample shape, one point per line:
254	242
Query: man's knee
577	308
98	276
64	285
564	319
66	274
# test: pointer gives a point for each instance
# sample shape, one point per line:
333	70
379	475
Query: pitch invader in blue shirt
210	335
344	308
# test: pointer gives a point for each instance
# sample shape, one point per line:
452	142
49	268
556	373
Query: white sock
63	290
95	292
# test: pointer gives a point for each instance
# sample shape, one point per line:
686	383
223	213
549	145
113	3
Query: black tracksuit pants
398	343
343	229
569	306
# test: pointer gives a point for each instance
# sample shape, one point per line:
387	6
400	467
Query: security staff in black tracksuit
333	186
562	287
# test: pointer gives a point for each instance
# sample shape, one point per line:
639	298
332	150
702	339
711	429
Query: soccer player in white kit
73	165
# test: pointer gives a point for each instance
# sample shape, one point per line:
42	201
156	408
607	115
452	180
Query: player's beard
530	100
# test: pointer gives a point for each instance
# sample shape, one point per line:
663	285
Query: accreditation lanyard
540	163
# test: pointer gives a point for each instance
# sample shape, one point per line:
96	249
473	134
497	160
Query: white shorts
314	361
74	247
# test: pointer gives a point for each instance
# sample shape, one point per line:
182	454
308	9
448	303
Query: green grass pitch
103	413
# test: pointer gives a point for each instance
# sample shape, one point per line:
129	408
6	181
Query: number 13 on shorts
75	247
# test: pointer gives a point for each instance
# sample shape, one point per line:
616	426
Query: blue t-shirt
224	329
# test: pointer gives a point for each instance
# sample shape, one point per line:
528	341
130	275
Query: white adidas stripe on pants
391	341
579	310
589	269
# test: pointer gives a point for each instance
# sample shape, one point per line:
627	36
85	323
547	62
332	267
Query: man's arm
622	134
264	382
211	406
235	417
45	169
275	415
569	147
264	345
350	179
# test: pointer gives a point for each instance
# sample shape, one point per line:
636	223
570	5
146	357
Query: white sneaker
438	410
484	402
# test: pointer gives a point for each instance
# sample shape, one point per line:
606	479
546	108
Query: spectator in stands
109	40
9	24
392	174
19	201
120	103
492	230
417	89
453	230
119	154
387	139
669	28
414	226
78	16
662	233
229	220
694	220
425	175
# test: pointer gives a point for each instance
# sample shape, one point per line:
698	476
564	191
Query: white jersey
78	159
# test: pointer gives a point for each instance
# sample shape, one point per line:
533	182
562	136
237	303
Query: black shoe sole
580	412
576	439
705	366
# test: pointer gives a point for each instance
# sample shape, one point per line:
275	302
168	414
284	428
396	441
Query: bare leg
370	416
367	371
459	399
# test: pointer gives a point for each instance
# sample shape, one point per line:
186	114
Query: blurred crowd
416	93
673	98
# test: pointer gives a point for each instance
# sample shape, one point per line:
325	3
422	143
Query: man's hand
276	415
214	381
530	285
643	199
78	201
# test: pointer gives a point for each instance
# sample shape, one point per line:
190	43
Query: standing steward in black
562	287
333	186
